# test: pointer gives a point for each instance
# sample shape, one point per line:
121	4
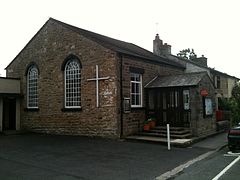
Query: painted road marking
226	168
180	168
230	153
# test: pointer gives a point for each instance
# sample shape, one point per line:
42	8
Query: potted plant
152	122
146	126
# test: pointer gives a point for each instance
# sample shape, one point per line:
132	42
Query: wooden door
9	114
167	106
170	103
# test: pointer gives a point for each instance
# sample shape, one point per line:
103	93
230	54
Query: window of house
32	87
72	74
136	90
218	82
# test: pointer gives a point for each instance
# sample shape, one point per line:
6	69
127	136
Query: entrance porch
179	101
9	104
169	106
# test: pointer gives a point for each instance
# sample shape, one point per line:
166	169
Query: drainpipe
121	97
1	114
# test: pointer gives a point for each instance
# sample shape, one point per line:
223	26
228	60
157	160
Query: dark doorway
9	113
167	106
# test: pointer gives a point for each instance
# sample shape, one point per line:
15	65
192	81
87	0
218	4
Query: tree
236	92
232	104
188	54
235	104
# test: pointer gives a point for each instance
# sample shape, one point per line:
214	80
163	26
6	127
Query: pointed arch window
72	75
32	87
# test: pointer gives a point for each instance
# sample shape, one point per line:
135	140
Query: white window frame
140	90
32	87
72	89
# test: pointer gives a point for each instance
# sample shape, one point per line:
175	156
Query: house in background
76	82
223	82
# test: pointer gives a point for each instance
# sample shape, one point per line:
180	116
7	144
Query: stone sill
71	109
31	109
137	108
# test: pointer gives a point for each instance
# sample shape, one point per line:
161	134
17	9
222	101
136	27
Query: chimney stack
166	49
159	48
201	61
157	44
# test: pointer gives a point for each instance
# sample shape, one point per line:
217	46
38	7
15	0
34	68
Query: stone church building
76	82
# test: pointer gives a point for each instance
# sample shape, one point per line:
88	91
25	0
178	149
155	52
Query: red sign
203	92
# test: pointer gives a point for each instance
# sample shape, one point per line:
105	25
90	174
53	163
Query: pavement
174	142
153	139
213	142
39	156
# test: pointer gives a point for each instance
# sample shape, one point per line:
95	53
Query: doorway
9	113
167	105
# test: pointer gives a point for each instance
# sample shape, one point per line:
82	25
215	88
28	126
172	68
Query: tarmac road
213	166
37	156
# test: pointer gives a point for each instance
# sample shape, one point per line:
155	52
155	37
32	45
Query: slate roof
188	79
120	46
214	71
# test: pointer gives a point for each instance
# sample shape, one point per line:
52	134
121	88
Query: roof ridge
66	24
116	45
119	45
184	74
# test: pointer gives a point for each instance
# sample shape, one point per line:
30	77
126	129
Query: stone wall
48	49
133	121
202	125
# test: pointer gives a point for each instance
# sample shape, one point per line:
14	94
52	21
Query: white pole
168	136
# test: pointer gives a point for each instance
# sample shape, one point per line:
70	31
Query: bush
235	104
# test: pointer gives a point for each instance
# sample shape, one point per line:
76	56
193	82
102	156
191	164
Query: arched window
72	75
32	87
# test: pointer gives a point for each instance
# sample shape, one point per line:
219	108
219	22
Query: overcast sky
210	27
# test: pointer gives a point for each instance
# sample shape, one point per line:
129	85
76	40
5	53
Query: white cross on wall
97	79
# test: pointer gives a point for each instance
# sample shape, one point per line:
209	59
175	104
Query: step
171	128
174	142
177	136
13	132
186	131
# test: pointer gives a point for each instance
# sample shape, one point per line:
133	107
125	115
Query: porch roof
181	80
9	86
